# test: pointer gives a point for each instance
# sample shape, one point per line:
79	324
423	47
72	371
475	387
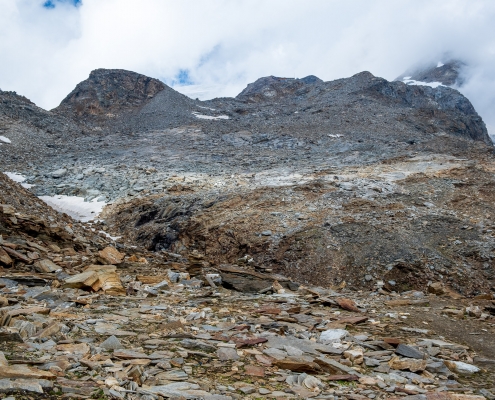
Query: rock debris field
307	239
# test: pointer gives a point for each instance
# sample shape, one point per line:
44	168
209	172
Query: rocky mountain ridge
448	73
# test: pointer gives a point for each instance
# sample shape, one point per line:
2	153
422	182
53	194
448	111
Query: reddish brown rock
249	342
347	304
297	365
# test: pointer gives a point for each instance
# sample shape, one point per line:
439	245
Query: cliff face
109	91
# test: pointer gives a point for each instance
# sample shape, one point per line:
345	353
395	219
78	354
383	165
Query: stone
8	386
111	256
297	365
408	351
356	355
253	370
334	367
152	280
198	345
436	288
24	372
368	381
46	265
59	173
10	335
227	354
293	351
5	258
111	343
312	382
249	342
173	375
352	320
129	354
248	281
461	368
3	360
474	311
412	365
333	335
275	353
347	304
95	278
247	389
80	349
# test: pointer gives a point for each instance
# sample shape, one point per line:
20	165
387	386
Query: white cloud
227	44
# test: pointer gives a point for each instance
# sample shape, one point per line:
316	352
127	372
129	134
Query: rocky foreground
84	318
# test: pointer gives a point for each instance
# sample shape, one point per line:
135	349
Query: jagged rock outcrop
272	87
109	91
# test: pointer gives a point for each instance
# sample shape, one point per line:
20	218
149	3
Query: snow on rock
440	64
413	82
75	206
18	178
201	116
5	139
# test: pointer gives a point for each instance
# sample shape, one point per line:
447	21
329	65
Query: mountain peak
447	74
110	91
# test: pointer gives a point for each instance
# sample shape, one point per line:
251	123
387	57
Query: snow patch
440	64
333	135
75	206
201	116
5	139
430	84
15	176
18	178
114	238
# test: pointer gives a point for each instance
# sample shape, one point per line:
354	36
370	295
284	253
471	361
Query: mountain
448	74
109	92
322	170
300	217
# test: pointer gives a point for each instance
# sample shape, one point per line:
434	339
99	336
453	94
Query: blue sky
219	46
50	4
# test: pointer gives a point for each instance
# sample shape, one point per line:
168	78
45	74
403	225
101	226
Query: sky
213	48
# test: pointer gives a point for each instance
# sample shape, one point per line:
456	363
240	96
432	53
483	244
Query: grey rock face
448	74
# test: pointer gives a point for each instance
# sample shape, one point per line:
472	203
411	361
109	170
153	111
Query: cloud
222	45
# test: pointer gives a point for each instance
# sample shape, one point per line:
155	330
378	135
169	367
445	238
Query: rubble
83	316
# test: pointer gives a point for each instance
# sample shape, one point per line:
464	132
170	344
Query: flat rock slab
21	371
249	342
24	385
297	366
226	354
408	351
129	354
412	365
334	367
305	345
249	281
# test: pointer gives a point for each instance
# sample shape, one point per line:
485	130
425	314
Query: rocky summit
305	239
